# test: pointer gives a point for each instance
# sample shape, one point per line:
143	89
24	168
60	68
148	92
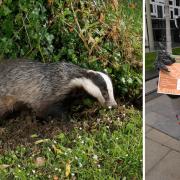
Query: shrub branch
80	33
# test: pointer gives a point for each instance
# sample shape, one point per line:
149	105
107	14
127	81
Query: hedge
101	35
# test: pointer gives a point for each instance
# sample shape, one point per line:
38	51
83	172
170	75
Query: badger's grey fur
41	85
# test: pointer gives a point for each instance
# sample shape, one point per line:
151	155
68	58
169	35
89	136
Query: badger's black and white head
97	84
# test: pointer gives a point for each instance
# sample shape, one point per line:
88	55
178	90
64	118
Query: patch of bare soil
18	130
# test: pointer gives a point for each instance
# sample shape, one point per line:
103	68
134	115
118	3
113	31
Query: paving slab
173	144
153	118
147	128
161	105
154	152
166	169
151	85
161	115
158	136
170	128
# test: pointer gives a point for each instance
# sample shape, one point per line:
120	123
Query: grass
149	61
109	147
176	51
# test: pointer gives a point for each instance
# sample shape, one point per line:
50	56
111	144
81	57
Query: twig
79	28
39	47
26	32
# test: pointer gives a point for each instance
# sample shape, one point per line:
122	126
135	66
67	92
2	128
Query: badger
41	85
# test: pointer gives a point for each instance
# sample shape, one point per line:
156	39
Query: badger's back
33	83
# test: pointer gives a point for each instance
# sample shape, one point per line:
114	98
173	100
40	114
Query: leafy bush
101	35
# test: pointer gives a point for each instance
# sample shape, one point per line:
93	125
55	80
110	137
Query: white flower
98	120
80	165
110	107
33	171
98	165
95	157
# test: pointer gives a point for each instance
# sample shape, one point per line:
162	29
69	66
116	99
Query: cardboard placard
169	82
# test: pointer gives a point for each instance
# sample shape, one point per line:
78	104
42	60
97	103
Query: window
171	14
151	7
160	11
177	2
170	2
176	11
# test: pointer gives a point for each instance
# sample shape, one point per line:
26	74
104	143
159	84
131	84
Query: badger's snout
112	104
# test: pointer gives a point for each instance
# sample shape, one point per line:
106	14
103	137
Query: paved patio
162	146
162	156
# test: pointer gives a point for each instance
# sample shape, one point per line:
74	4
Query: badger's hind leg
6	104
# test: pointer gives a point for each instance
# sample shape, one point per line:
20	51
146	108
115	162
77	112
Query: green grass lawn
149	61
106	147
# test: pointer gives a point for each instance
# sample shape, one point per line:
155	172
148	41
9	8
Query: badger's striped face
98	85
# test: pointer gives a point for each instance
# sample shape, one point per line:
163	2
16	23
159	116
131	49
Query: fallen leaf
41	141
132	5
101	18
56	150
50	2
91	40
68	168
4	166
34	136
40	161
71	29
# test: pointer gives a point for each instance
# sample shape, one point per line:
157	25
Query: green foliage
102	35
109	148
176	51
149	61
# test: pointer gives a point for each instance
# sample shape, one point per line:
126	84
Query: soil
19	130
